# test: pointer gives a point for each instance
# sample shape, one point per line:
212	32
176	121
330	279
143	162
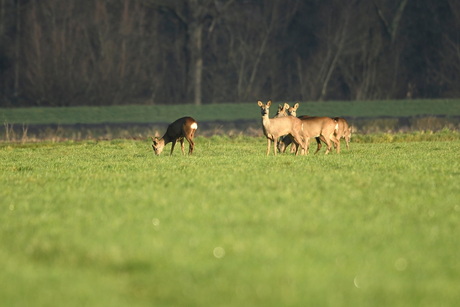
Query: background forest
107	52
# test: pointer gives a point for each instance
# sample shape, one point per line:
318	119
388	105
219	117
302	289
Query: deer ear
286	105
260	103
296	106
269	103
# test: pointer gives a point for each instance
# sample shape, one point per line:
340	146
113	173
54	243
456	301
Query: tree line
106	52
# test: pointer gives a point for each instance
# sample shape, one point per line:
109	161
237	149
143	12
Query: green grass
229	111
415	136
109	224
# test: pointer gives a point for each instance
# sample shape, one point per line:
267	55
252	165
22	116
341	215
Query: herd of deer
285	128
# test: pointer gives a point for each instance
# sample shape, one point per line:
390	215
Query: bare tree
97	52
195	16
253	33
332	41
370	67
92	52
391	27
17	48
447	72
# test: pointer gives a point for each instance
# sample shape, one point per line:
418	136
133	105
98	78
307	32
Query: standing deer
184	127
275	127
293	110
282	110
285	141
322	127
343	130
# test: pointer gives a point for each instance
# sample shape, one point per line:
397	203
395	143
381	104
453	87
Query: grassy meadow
107	223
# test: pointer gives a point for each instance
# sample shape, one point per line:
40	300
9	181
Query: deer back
180	128
284	125
315	126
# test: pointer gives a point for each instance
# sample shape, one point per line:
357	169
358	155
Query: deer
343	130
282	110
273	128
322	127
184	127
286	140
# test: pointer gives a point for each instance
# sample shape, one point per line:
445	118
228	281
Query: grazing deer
343	130
275	127
184	127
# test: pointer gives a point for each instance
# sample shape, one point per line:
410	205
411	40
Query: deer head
293	110
282	110
158	145
264	108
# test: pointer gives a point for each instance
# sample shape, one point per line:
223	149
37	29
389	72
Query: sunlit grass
109	224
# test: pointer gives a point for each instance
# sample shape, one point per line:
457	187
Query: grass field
229	111
109	224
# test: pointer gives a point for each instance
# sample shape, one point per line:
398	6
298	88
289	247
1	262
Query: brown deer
343	130
322	127
184	127
282	110
292	111
286	140
275	127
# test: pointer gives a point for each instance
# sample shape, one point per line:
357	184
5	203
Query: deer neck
266	124
166	139
265	120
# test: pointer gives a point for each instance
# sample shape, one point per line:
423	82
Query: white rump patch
194	126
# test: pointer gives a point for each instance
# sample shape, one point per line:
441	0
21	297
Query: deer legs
191	145
182	145
173	143
268	146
